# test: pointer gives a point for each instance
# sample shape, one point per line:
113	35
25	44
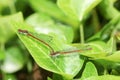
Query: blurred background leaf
58	22
77	9
13	61
43	23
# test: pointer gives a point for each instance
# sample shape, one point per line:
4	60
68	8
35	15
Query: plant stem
81	34
105	71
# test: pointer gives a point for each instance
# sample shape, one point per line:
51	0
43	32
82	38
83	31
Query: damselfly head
25	32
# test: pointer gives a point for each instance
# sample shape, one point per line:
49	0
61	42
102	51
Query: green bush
67	39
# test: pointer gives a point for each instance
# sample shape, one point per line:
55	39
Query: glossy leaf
9	77
5	26
107	30
109	61
98	49
104	77
43	23
50	8
77	9
57	77
103	53
2	54
118	36
4	3
13	61
115	57
90	70
107	9
41	53
49	78
111	44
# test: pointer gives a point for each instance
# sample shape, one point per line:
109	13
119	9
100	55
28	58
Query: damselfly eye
25	32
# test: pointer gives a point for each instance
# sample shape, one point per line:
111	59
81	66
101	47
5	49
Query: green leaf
115	57
107	30
104	77
9	77
117	35
4	3
90	70
14	60
43	23
107	9
109	61
111	44
98	49
49	78
2	52
41	53
77	9
50	8
57	77
5	26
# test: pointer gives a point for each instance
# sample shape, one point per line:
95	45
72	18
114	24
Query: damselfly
53	52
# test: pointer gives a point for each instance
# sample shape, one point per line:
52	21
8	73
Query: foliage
72	39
